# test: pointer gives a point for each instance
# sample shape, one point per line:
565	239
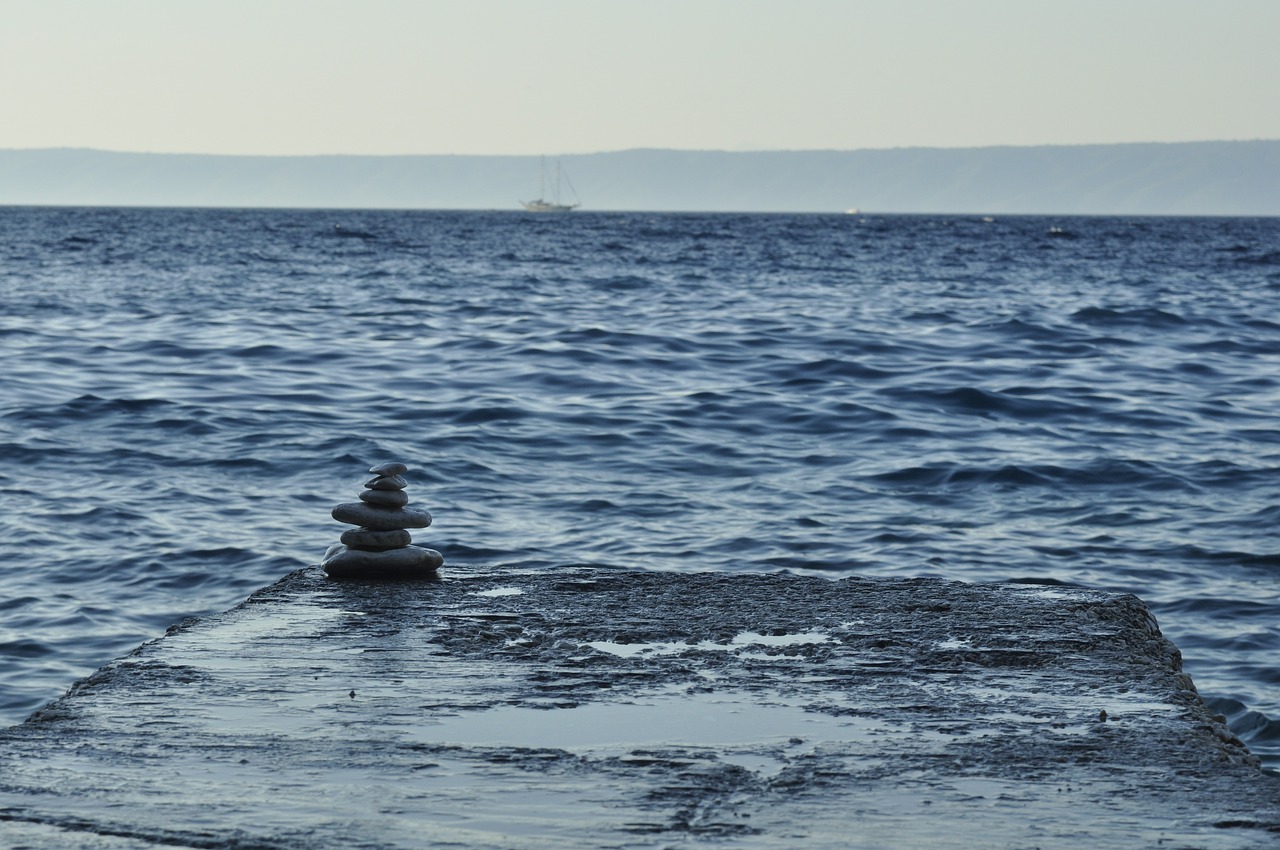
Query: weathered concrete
592	708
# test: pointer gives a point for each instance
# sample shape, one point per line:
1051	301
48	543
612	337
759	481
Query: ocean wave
1139	317
186	392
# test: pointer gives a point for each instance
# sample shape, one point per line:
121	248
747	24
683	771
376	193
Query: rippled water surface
186	393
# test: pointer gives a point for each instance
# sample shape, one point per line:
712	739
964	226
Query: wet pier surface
588	708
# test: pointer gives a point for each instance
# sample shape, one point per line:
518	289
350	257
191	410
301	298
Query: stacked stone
380	547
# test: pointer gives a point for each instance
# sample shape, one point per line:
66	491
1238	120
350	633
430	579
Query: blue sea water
184	394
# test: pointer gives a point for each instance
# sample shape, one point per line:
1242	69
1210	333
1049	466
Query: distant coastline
1181	178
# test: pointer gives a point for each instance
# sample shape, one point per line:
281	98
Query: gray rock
386	498
377	518
406	562
368	540
386	482
389	469
577	708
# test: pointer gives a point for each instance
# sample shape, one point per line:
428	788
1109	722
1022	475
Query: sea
186	393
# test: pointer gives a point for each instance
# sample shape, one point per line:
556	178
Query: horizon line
725	151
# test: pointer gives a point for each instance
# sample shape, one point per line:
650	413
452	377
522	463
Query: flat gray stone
375	541
405	562
590	708
389	469
380	518
385	498
386	482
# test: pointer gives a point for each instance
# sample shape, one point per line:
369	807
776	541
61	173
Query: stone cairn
380	548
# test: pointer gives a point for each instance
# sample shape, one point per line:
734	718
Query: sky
581	76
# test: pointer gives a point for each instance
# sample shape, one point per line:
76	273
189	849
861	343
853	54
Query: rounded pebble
378	518
407	562
386	498
386	482
368	540
389	469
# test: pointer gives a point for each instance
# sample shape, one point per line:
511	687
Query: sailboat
555	204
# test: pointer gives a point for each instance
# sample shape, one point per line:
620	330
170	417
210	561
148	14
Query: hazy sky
577	76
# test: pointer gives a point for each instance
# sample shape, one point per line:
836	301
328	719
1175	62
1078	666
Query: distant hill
1190	178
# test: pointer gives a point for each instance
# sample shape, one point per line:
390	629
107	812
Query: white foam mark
739	641
631	650
500	591
1049	592
757	639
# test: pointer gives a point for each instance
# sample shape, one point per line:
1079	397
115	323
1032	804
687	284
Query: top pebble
389	469
386	482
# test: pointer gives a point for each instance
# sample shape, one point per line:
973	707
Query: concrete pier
590	708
